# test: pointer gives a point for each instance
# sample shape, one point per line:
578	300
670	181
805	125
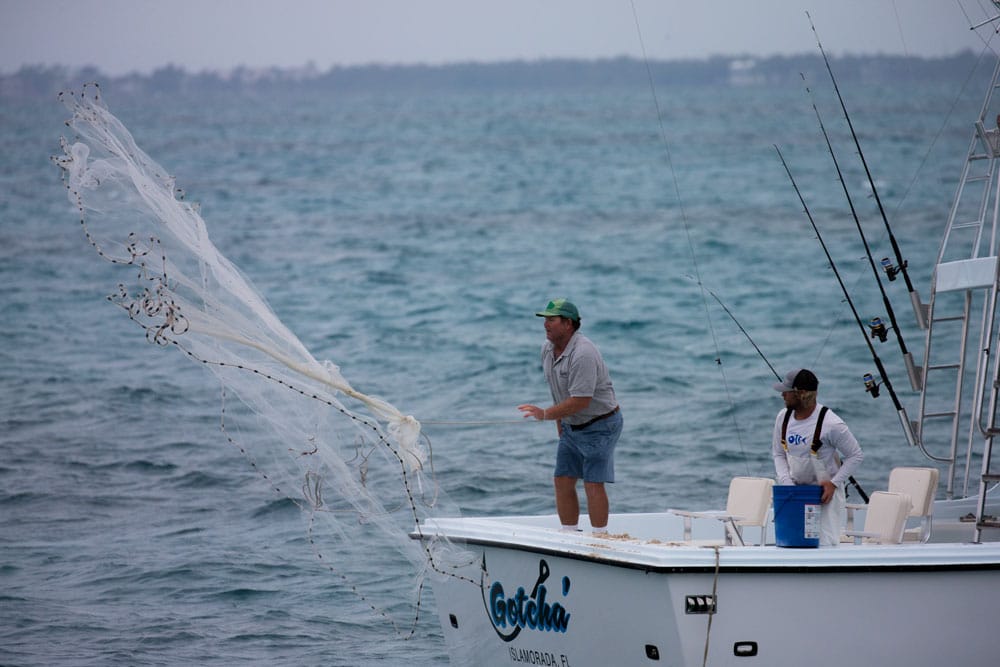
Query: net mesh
353	462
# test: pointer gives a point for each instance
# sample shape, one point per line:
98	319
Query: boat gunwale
654	556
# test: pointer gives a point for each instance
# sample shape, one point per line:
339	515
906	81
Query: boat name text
523	610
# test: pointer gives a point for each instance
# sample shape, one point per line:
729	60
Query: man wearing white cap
812	445
586	413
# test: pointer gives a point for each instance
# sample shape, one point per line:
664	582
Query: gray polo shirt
579	371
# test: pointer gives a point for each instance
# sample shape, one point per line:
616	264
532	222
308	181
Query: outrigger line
901	263
876	326
870	383
684	219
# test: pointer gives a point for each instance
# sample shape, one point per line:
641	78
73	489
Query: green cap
560	308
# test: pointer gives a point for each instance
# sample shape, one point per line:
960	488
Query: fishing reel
890	269
878	329
871	386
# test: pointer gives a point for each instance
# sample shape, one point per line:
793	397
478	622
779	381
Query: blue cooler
796	515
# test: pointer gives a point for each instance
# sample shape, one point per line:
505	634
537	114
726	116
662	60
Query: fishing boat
910	583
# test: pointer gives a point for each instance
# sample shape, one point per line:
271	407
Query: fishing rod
744	331
850	478
871	385
877	327
901	264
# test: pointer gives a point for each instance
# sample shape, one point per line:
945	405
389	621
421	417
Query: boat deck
651	542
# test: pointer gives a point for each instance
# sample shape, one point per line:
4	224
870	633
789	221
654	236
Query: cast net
353	462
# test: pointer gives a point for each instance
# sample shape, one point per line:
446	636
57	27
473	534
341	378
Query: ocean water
409	238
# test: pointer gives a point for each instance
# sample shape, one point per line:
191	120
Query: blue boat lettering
522	611
511	613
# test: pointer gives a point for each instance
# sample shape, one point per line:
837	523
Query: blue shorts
590	452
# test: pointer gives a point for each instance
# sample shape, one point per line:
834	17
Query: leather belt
577	427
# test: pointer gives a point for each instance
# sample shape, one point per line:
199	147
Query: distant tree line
37	80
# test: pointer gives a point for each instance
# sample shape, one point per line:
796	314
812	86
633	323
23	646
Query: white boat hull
639	601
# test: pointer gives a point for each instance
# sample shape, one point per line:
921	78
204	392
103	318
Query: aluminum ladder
963	303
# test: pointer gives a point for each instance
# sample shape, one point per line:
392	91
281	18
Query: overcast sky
121	36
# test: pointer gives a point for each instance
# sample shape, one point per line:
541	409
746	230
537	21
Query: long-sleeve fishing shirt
840	453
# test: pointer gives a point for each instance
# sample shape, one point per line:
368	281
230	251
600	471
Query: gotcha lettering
523	610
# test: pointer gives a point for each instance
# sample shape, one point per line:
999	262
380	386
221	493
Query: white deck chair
885	520
748	504
921	485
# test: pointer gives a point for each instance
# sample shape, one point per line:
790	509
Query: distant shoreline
40	80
